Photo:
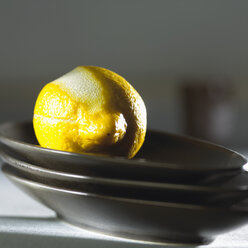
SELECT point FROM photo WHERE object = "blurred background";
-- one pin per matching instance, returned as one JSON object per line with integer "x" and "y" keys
{"x": 187, "y": 59}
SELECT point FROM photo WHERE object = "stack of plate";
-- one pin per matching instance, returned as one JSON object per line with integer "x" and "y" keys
{"x": 176, "y": 189}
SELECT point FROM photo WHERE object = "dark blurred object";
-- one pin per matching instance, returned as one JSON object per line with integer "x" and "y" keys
{"x": 208, "y": 109}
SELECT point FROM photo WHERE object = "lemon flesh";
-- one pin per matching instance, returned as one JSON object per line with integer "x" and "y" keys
{"x": 90, "y": 110}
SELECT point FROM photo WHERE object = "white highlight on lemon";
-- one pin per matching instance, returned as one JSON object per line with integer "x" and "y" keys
{"x": 121, "y": 123}
{"x": 80, "y": 84}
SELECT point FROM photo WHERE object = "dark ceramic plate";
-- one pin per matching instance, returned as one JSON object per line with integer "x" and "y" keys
{"x": 226, "y": 195}
{"x": 163, "y": 157}
{"x": 145, "y": 220}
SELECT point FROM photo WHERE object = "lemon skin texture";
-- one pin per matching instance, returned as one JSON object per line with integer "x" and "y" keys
{"x": 90, "y": 110}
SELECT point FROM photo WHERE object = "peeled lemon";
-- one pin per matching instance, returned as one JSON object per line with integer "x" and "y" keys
{"x": 90, "y": 110}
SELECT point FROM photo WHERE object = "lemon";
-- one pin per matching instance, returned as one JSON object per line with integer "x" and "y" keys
{"x": 90, "y": 110}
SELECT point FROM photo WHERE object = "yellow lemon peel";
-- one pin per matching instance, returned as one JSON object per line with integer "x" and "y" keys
{"x": 90, "y": 109}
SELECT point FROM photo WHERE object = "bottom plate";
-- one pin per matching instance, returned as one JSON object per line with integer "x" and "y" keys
{"x": 148, "y": 221}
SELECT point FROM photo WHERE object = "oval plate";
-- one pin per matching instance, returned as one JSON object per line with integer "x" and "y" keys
{"x": 162, "y": 157}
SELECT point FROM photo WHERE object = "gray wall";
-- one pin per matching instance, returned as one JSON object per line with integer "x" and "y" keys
{"x": 154, "y": 44}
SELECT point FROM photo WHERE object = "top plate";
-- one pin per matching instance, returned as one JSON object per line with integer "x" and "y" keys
{"x": 163, "y": 156}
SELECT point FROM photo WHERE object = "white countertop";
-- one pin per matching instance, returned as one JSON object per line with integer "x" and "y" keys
{"x": 26, "y": 223}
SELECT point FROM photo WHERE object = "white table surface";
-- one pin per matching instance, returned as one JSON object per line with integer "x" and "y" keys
{"x": 26, "y": 223}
